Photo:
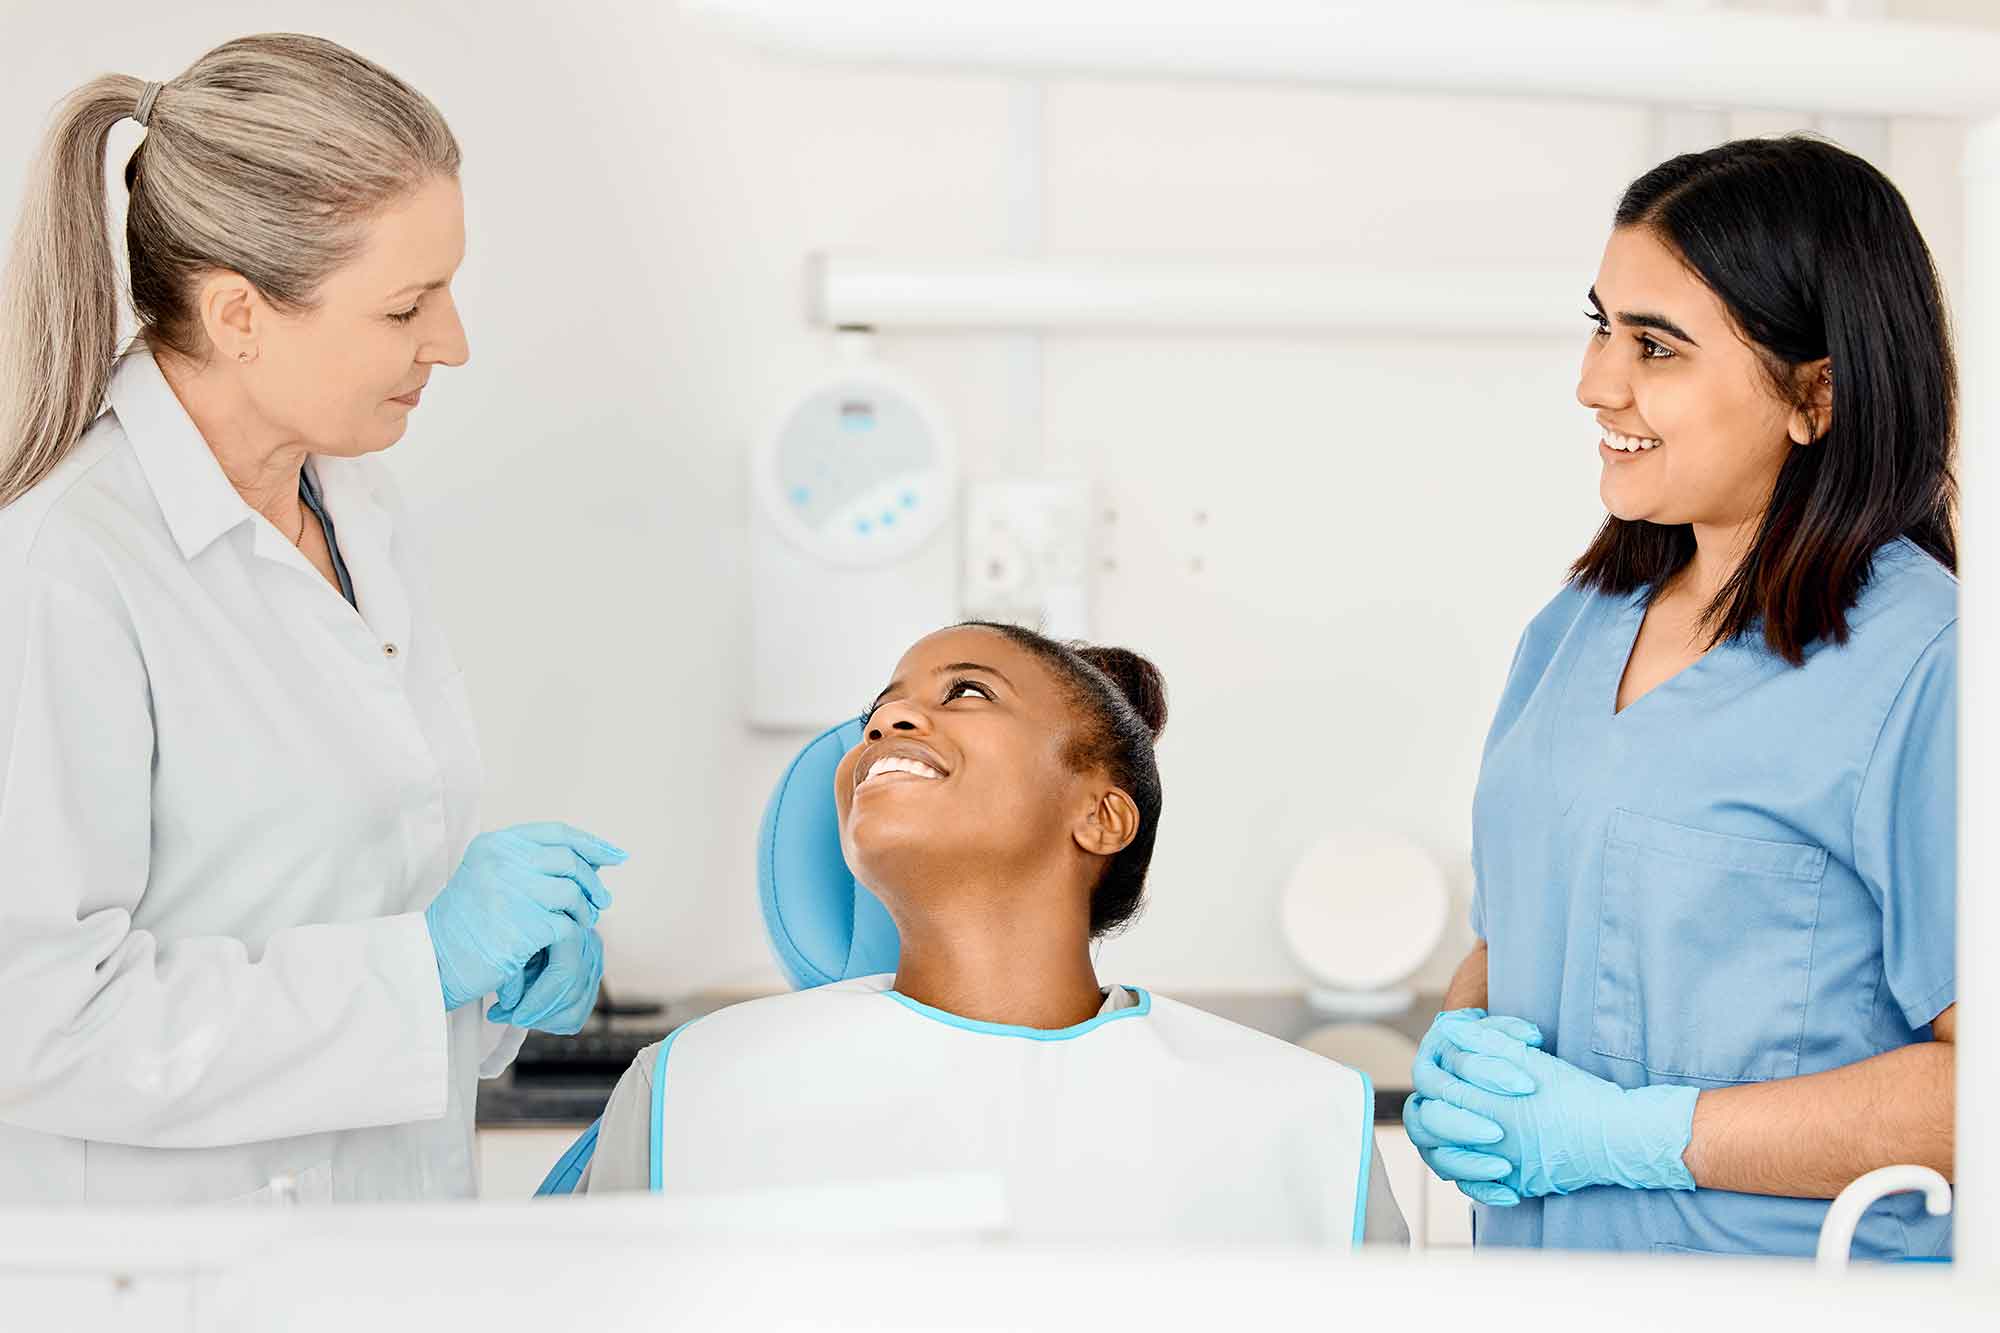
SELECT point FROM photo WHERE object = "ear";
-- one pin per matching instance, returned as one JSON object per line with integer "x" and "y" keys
{"x": 1807, "y": 424}
{"x": 1109, "y": 826}
{"x": 232, "y": 314}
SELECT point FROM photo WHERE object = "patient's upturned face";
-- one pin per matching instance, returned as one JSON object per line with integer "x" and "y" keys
{"x": 961, "y": 764}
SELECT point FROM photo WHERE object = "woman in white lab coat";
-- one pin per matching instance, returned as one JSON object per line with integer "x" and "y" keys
{"x": 245, "y": 927}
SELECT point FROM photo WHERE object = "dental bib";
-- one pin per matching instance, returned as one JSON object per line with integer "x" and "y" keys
{"x": 1158, "y": 1121}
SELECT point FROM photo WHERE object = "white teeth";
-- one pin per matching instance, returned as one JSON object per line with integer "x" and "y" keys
{"x": 1630, "y": 444}
{"x": 898, "y": 764}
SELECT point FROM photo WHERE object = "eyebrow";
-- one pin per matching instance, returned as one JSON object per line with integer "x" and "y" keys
{"x": 1646, "y": 320}
{"x": 418, "y": 287}
{"x": 895, "y": 685}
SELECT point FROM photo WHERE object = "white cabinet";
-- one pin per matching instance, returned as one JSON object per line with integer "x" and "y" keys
{"x": 513, "y": 1162}
{"x": 1437, "y": 1213}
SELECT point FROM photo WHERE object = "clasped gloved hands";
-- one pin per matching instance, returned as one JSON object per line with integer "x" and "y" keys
{"x": 517, "y": 892}
{"x": 1491, "y": 1094}
{"x": 1451, "y": 1140}
{"x": 558, "y": 988}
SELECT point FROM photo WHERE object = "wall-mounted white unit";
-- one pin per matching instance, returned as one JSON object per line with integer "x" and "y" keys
{"x": 1028, "y": 553}
{"x": 853, "y": 542}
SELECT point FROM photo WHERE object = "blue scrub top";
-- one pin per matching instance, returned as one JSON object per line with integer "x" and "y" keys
{"x": 1749, "y": 874}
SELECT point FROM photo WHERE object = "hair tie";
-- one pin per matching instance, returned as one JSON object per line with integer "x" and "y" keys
{"x": 144, "y": 110}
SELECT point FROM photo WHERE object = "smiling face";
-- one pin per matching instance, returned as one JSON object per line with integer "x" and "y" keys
{"x": 1693, "y": 431}
{"x": 961, "y": 777}
{"x": 344, "y": 375}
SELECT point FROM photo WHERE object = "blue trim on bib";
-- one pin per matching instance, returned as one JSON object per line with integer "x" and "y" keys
{"x": 1139, "y": 1010}
{"x": 1367, "y": 1154}
{"x": 562, "y": 1177}
{"x": 657, "y": 1145}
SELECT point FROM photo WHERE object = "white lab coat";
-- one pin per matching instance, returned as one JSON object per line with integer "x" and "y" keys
{"x": 225, "y": 799}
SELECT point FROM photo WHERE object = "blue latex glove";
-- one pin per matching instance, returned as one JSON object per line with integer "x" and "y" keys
{"x": 1575, "y": 1130}
{"x": 514, "y": 987}
{"x": 1440, "y": 1135}
{"x": 517, "y": 891}
{"x": 1448, "y": 1137}
{"x": 558, "y": 989}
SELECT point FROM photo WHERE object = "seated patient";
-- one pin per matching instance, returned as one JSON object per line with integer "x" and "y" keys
{"x": 1003, "y": 804}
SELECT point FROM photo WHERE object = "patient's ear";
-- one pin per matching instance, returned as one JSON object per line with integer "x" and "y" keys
{"x": 1109, "y": 826}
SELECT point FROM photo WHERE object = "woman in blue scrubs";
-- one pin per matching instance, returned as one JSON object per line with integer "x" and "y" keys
{"x": 1715, "y": 827}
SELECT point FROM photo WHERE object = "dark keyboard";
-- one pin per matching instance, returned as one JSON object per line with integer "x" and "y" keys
{"x": 588, "y": 1056}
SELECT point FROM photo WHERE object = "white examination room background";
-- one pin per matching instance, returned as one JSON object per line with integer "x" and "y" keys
{"x": 1329, "y": 544}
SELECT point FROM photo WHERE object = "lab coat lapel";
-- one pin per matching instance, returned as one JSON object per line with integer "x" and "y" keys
{"x": 197, "y": 501}
{"x": 366, "y": 532}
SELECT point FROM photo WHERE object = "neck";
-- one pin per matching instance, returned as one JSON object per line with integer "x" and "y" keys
{"x": 1718, "y": 550}
{"x": 260, "y": 461}
{"x": 1003, "y": 963}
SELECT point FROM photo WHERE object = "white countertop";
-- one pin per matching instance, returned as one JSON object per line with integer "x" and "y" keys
{"x": 598, "y": 1265}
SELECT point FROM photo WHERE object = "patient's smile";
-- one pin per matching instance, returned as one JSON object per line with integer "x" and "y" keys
{"x": 891, "y": 766}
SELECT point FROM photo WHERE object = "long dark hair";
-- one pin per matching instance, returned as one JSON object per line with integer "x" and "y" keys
{"x": 1123, "y": 702}
{"x": 1814, "y": 254}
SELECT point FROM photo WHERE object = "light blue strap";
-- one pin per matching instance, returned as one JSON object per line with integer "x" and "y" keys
{"x": 562, "y": 1177}
{"x": 1367, "y": 1155}
{"x": 658, "y": 1140}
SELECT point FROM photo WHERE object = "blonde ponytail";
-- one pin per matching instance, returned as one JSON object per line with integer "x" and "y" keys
{"x": 264, "y": 158}
{"x": 59, "y": 298}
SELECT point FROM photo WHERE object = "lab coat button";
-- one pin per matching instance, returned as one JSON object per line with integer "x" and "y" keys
{"x": 388, "y": 650}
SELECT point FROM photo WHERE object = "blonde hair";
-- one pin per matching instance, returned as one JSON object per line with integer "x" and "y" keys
{"x": 264, "y": 158}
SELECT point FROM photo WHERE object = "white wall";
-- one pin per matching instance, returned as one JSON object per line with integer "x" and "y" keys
{"x": 1382, "y": 515}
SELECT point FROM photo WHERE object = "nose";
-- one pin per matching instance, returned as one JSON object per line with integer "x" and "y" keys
{"x": 1604, "y": 384}
{"x": 446, "y": 345}
{"x": 900, "y": 717}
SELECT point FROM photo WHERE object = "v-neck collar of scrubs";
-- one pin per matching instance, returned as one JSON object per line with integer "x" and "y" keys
{"x": 1589, "y": 735}
{"x": 1611, "y": 657}
{"x": 1623, "y": 638}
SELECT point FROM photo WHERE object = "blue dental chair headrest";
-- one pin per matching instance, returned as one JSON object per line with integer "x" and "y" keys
{"x": 823, "y": 925}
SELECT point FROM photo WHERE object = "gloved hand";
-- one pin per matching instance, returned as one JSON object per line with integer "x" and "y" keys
{"x": 516, "y": 892}
{"x": 1446, "y": 1136}
{"x": 1440, "y": 1132}
{"x": 1575, "y": 1130}
{"x": 557, "y": 990}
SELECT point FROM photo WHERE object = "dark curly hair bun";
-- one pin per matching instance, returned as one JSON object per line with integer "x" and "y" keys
{"x": 1136, "y": 678}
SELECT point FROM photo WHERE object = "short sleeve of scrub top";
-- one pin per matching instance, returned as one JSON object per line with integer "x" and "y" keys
{"x": 1906, "y": 833}
{"x": 1749, "y": 873}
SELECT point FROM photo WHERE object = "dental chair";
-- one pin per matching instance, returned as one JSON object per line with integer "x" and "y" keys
{"x": 823, "y": 925}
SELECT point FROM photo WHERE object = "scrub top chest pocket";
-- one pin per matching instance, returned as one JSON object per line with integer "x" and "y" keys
{"x": 1705, "y": 946}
